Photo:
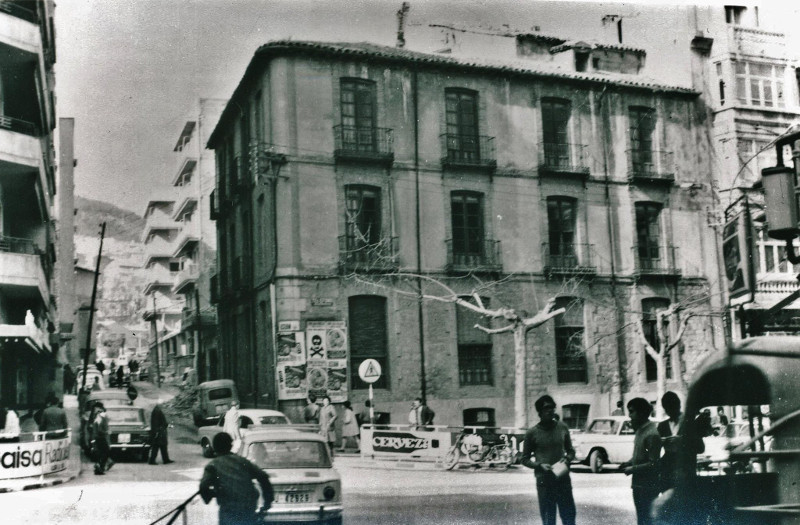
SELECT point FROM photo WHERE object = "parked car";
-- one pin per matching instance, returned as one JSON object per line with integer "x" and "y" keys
{"x": 718, "y": 447}
{"x": 250, "y": 419}
{"x": 307, "y": 487}
{"x": 213, "y": 399}
{"x": 605, "y": 440}
{"x": 93, "y": 373}
{"x": 128, "y": 430}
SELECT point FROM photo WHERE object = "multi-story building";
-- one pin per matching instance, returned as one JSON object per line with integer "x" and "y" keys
{"x": 351, "y": 174}
{"x": 180, "y": 253}
{"x": 28, "y": 316}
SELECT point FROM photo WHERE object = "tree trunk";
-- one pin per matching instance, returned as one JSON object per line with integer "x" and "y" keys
{"x": 520, "y": 377}
{"x": 661, "y": 365}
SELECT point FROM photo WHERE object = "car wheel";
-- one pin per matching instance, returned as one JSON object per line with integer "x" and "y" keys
{"x": 597, "y": 461}
{"x": 208, "y": 450}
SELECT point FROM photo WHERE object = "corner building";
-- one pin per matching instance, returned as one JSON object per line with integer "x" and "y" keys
{"x": 344, "y": 167}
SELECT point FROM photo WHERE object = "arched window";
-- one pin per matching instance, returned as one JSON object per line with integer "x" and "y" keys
{"x": 368, "y": 337}
{"x": 461, "y": 114}
{"x": 570, "y": 353}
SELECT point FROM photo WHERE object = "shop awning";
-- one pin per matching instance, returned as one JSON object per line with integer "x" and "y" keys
{"x": 24, "y": 334}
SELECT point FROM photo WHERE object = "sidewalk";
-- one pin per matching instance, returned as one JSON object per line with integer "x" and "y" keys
{"x": 73, "y": 469}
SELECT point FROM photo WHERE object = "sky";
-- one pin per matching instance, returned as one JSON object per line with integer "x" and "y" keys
{"x": 131, "y": 72}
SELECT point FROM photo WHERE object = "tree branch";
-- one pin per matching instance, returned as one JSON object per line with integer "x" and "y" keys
{"x": 679, "y": 336}
{"x": 640, "y": 332}
{"x": 507, "y": 328}
{"x": 543, "y": 315}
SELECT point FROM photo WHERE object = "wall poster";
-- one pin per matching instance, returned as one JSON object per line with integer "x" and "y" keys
{"x": 327, "y": 359}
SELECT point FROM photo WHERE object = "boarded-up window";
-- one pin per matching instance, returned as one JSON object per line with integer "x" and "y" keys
{"x": 368, "y": 337}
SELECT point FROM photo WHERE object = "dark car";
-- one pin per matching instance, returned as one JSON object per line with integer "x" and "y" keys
{"x": 128, "y": 430}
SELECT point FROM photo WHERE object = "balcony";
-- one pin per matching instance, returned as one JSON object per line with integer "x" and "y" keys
{"x": 486, "y": 258}
{"x": 363, "y": 144}
{"x": 751, "y": 41}
{"x": 651, "y": 166}
{"x": 563, "y": 160}
{"x": 157, "y": 248}
{"x": 568, "y": 259}
{"x": 29, "y": 334}
{"x": 19, "y": 143}
{"x": 19, "y": 27}
{"x": 24, "y": 268}
{"x": 190, "y": 320}
{"x": 159, "y": 278}
{"x": 17, "y": 9}
{"x": 657, "y": 261}
{"x": 468, "y": 151}
{"x": 355, "y": 255}
{"x": 187, "y": 240}
{"x": 186, "y": 279}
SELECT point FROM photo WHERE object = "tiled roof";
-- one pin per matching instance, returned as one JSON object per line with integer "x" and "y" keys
{"x": 595, "y": 45}
{"x": 402, "y": 56}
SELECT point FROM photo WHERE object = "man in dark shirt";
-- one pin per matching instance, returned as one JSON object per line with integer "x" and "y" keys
{"x": 53, "y": 418}
{"x": 643, "y": 466}
{"x": 158, "y": 436}
{"x": 549, "y": 443}
{"x": 101, "y": 445}
{"x": 229, "y": 479}
{"x": 311, "y": 410}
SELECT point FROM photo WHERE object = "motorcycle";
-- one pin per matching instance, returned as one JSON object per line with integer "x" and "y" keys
{"x": 480, "y": 450}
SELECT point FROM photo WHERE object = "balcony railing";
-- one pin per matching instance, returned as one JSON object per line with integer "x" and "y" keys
{"x": 657, "y": 261}
{"x": 485, "y": 257}
{"x": 563, "y": 159}
{"x": 18, "y": 245}
{"x": 568, "y": 259}
{"x": 651, "y": 165}
{"x": 18, "y": 126}
{"x": 468, "y": 151}
{"x": 17, "y": 10}
{"x": 363, "y": 144}
{"x": 360, "y": 256}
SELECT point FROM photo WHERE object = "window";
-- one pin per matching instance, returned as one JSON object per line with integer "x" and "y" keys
{"x": 175, "y": 266}
{"x": 581, "y": 61}
{"x": 649, "y": 308}
{"x": 358, "y": 115}
{"x": 479, "y": 417}
{"x": 721, "y": 80}
{"x": 575, "y": 416}
{"x": 755, "y": 155}
{"x": 734, "y": 14}
{"x": 474, "y": 347}
{"x": 555, "y": 131}
{"x": 643, "y": 125}
{"x": 362, "y": 217}
{"x": 461, "y": 108}
{"x": 368, "y": 337}
{"x": 759, "y": 84}
{"x": 648, "y": 234}
{"x": 570, "y": 354}
{"x": 561, "y": 228}
{"x": 466, "y": 209}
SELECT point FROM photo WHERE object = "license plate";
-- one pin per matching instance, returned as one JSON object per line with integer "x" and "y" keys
{"x": 124, "y": 438}
{"x": 298, "y": 497}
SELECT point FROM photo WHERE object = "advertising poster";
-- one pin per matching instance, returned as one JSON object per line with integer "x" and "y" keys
{"x": 292, "y": 368}
{"x": 326, "y": 342}
{"x": 20, "y": 460}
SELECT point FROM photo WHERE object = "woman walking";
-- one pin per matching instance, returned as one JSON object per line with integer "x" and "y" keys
{"x": 350, "y": 428}
{"x": 327, "y": 420}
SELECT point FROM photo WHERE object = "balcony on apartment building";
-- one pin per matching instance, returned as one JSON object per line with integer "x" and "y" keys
{"x": 367, "y": 144}
{"x": 468, "y": 151}
{"x": 186, "y": 191}
{"x": 158, "y": 247}
{"x": 563, "y": 160}
{"x": 19, "y": 26}
{"x": 656, "y": 261}
{"x": 191, "y": 319}
{"x": 568, "y": 259}
{"x": 186, "y": 279}
{"x": 360, "y": 255}
{"x": 19, "y": 142}
{"x": 756, "y": 42}
{"x": 24, "y": 268}
{"x": 188, "y": 238}
{"x": 28, "y": 333}
{"x": 654, "y": 166}
{"x": 159, "y": 277}
{"x": 480, "y": 257}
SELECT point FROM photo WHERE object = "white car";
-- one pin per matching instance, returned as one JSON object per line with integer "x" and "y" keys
{"x": 249, "y": 419}
{"x": 606, "y": 440}
{"x": 307, "y": 487}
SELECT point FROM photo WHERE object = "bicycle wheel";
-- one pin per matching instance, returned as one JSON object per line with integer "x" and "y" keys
{"x": 452, "y": 458}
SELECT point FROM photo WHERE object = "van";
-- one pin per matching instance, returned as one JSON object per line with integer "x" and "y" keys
{"x": 214, "y": 398}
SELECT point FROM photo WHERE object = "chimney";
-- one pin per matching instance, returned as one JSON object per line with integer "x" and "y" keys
{"x": 401, "y": 21}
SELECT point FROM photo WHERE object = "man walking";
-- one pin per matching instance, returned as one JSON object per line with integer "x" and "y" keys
{"x": 158, "y": 436}
{"x": 100, "y": 433}
{"x": 643, "y": 466}
{"x": 547, "y": 444}
{"x": 54, "y": 419}
{"x": 229, "y": 479}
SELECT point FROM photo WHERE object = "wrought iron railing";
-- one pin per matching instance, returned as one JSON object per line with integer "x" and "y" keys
{"x": 359, "y": 255}
{"x": 18, "y": 245}
{"x": 354, "y": 142}
{"x": 563, "y": 158}
{"x": 654, "y": 165}
{"x": 568, "y": 258}
{"x": 19, "y": 126}
{"x": 656, "y": 260}
{"x": 468, "y": 150}
{"x": 484, "y": 256}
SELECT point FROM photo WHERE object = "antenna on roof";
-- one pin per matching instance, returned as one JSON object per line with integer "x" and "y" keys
{"x": 401, "y": 22}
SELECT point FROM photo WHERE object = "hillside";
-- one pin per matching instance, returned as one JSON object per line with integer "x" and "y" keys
{"x": 121, "y": 224}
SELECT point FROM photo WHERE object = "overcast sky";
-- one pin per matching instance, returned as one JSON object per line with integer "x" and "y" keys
{"x": 130, "y": 72}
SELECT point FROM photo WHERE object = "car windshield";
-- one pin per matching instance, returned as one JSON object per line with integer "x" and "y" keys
{"x": 603, "y": 426}
{"x": 125, "y": 417}
{"x": 289, "y": 454}
{"x": 219, "y": 393}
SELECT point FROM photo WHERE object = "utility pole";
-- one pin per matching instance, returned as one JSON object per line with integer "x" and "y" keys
{"x": 91, "y": 307}
{"x": 154, "y": 326}
{"x": 199, "y": 332}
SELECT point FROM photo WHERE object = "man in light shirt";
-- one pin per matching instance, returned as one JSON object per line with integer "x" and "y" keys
{"x": 11, "y": 430}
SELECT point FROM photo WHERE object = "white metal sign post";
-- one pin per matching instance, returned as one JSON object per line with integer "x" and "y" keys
{"x": 370, "y": 371}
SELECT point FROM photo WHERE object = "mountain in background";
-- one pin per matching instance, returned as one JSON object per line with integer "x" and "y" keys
{"x": 121, "y": 224}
